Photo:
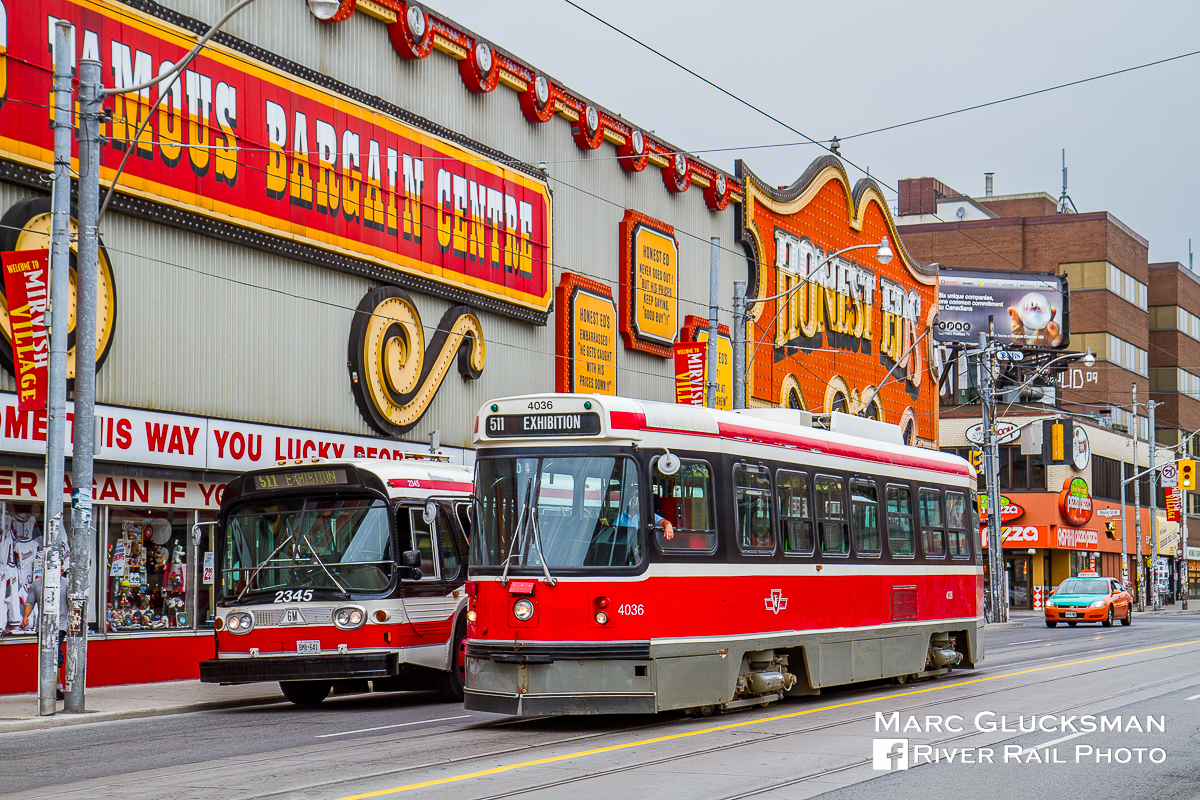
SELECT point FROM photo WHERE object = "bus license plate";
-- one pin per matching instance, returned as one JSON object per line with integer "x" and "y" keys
{"x": 308, "y": 646}
{"x": 1071, "y": 614}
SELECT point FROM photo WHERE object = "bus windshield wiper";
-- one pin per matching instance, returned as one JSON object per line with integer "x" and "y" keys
{"x": 313, "y": 550}
{"x": 516, "y": 534}
{"x": 259, "y": 568}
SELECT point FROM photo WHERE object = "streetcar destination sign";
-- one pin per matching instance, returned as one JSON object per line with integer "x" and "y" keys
{"x": 511, "y": 425}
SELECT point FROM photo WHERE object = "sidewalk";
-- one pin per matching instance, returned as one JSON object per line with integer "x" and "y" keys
{"x": 18, "y": 712}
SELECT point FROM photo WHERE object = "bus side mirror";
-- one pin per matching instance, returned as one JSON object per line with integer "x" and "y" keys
{"x": 412, "y": 560}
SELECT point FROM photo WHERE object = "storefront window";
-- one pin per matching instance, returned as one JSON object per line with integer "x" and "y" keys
{"x": 21, "y": 538}
{"x": 203, "y": 572}
{"x": 147, "y": 577}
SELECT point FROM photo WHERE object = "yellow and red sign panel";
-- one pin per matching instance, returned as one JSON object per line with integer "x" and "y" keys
{"x": 291, "y": 154}
{"x": 586, "y": 346}
{"x": 850, "y": 333}
{"x": 649, "y": 284}
{"x": 691, "y": 370}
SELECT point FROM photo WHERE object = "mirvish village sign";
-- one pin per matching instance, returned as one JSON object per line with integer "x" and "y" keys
{"x": 852, "y": 335}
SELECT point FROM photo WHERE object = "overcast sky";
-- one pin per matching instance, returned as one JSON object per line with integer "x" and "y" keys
{"x": 832, "y": 68}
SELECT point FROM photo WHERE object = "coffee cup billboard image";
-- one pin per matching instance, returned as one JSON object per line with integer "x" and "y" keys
{"x": 1033, "y": 320}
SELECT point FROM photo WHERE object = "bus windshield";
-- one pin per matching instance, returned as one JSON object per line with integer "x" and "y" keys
{"x": 574, "y": 511}
{"x": 343, "y": 545}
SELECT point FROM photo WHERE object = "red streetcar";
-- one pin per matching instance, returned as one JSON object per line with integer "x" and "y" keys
{"x": 633, "y": 557}
{"x": 330, "y": 574}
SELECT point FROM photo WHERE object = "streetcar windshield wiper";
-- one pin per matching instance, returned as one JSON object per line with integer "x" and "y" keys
{"x": 537, "y": 544}
{"x": 259, "y": 568}
{"x": 517, "y": 534}
{"x": 313, "y": 550}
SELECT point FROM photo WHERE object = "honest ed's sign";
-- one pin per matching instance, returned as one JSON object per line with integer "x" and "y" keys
{"x": 1026, "y": 308}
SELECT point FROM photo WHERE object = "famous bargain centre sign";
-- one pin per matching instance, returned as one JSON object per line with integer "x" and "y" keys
{"x": 853, "y": 320}
{"x": 288, "y": 153}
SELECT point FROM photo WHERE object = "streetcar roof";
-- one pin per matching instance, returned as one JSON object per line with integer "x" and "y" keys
{"x": 411, "y": 477}
{"x": 527, "y": 418}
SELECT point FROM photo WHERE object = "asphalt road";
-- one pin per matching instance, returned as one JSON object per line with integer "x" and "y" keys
{"x": 412, "y": 745}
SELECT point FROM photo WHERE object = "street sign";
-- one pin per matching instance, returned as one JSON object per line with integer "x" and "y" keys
{"x": 1170, "y": 476}
{"x": 1005, "y": 432}
{"x": 1109, "y": 513}
{"x": 1010, "y": 355}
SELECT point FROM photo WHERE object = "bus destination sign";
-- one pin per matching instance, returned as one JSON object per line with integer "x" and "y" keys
{"x": 300, "y": 480}
{"x": 513, "y": 425}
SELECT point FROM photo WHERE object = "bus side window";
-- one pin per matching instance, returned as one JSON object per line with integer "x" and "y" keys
{"x": 933, "y": 538}
{"x": 752, "y": 490}
{"x": 685, "y": 501}
{"x": 831, "y": 514}
{"x": 956, "y": 523}
{"x": 899, "y": 520}
{"x": 795, "y": 514}
{"x": 464, "y": 512}
{"x": 422, "y": 542}
{"x": 864, "y": 496}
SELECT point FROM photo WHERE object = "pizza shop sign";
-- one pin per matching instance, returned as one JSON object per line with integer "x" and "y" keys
{"x": 1075, "y": 501}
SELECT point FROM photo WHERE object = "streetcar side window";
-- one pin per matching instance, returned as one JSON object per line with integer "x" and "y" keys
{"x": 899, "y": 520}
{"x": 795, "y": 513}
{"x": 956, "y": 525}
{"x": 752, "y": 490}
{"x": 683, "y": 509}
{"x": 831, "y": 514}
{"x": 422, "y": 542}
{"x": 864, "y": 498}
{"x": 933, "y": 537}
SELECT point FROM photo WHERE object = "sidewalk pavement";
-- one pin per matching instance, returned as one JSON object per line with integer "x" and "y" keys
{"x": 1017, "y": 617}
{"x": 18, "y": 712}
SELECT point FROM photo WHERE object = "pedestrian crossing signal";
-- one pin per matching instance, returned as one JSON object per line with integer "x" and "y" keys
{"x": 1187, "y": 474}
{"x": 1110, "y": 529}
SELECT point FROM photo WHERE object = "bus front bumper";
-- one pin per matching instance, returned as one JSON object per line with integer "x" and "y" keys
{"x": 299, "y": 668}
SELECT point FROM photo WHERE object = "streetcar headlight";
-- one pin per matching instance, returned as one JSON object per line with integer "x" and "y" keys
{"x": 239, "y": 622}
{"x": 601, "y": 618}
{"x": 471, "y": 616}
{"x": 1099, "y": 604}
{"x": 523, "y": 609}
{"x": 349, "y": 618}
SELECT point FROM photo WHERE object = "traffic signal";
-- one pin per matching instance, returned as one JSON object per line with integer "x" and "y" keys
{"x": 976, "y": 459}
{"x": 1110, "y": 529}
{"x": 1187, "y": 474}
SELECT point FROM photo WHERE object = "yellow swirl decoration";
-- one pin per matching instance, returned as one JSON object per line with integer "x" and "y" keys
{"x": 393, "y": 375}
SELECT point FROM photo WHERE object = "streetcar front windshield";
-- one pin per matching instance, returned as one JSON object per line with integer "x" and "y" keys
{"x": 343, "y": 545}
{"x": 570, "y": 512}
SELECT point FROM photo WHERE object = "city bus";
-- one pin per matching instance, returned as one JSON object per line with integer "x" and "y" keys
{"x": 633, "y": 557}
{"x": 343, "y": 576}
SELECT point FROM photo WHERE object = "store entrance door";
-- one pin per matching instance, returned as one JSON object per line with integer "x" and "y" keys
{"x": 1019, "y": 569}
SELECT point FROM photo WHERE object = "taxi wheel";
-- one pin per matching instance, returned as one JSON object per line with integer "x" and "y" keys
{"x": 1108, "y": 621}
{"x": 1127, "y": 620}
{"x": 1051, "y": 623}
{"x": 1072, "y": 624}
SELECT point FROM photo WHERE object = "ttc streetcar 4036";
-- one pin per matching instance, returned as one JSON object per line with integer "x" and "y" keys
{"x": 634, "y": 557}
{"x": 330, "y": 574}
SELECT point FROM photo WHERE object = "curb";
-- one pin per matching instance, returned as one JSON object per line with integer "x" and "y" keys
{"x": 63, "y": 719}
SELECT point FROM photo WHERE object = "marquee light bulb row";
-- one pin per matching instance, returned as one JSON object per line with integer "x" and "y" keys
{"x": 414, "y": 34}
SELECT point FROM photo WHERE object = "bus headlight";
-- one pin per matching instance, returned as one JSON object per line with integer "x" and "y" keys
{"x": 239, "y": 622}
{"x": 349, "y": 618}
{"x": 523, "y": 609}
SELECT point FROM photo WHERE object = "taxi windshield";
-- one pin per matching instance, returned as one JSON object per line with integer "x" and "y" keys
{"x": 1084, "y": 586}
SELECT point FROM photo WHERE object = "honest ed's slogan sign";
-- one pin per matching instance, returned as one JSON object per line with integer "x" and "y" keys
{"x": 649, "y": 278}
{"x": 586, "y": 339}
{"x": 26, "y": 285}
{"x": 289, "y": 154}
{"x": 1026, "y": 309}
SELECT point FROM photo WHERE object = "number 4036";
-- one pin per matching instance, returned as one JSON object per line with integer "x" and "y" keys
{"x": 631, "y": 609}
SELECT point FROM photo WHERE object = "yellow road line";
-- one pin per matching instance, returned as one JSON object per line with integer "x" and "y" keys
{"x": 744, "y": 723}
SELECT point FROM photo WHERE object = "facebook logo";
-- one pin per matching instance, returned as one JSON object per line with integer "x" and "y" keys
{"x": 890, "y": 754}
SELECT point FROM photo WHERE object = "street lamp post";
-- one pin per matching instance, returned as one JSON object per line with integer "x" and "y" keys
{"x": 742, "y": 307}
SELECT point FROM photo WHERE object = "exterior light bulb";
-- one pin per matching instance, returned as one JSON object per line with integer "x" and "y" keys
{"x": 324, "y": 9}
{"x": 1089, "y": 358}
{"x": 884, "y": 254}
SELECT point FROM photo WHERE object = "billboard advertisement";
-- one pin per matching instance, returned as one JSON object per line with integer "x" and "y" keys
{"x": 1026, "y": 308}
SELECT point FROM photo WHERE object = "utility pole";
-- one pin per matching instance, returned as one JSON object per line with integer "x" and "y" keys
{"x": 1183, "y": 574}
{"x": 739, "y": 344}
{"x": 56, "y": 425}
{"x": 1153, "y": 515}
{"x": 713, "y": 302}
{"x": 991, "y": 456}
{"x": 1124, "y": 529}
{"x": 1137, "y": 508}
{"x": 87, "y": 266}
